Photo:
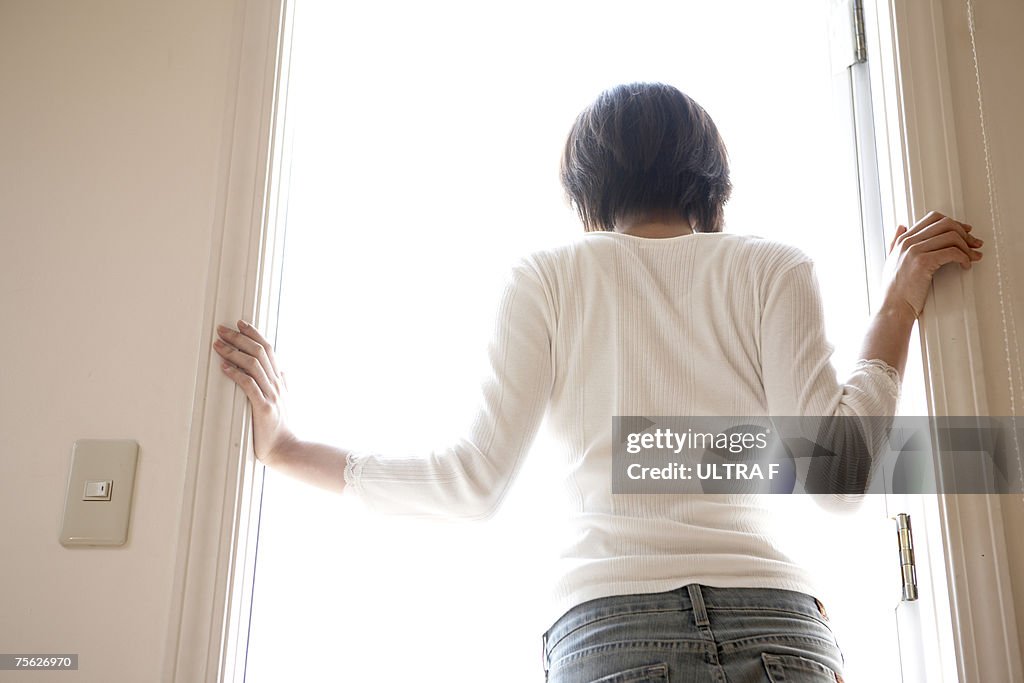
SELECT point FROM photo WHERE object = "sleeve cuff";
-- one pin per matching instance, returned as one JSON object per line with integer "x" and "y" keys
{"x": 879, "y": 368}
{"x": 353, "y": 469}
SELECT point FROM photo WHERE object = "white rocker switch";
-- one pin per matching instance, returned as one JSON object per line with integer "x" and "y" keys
{"x": 97, "y": 490}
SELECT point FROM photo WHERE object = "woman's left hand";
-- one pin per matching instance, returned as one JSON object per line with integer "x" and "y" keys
{"x": 249, "y": 361}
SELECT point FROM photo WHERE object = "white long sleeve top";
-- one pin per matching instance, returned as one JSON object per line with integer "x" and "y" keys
{"x": 612, "y": 324}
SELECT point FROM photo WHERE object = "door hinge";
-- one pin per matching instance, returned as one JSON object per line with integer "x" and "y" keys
{"x": 847, "y": 34}
{"x": 860, "y": 41}
{"x": 908, "y": 565}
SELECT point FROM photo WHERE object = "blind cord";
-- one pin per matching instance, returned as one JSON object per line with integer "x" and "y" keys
{"x": 997, "y": 234}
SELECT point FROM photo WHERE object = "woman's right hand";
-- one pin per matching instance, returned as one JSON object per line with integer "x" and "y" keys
{"x": 249, "y": 361}
{"x": 916, "y": 253}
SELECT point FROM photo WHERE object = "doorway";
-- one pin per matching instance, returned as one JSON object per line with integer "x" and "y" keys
{"x": 424, "y": 161}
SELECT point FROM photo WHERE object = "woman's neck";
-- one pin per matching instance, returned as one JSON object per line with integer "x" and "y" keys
{"x": 653, "y": 226}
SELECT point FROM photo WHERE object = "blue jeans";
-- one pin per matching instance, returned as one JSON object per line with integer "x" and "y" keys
{"x": 695, "y": 634}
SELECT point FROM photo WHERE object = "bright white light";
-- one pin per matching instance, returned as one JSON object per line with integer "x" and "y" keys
{"x": 427, "y": 138}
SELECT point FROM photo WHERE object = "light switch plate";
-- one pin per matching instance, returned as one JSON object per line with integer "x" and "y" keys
{"x": 99, "y": 522}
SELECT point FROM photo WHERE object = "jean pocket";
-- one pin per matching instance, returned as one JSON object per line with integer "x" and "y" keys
{"x": 649, "y": 673}
{"x": 796, "y": 669}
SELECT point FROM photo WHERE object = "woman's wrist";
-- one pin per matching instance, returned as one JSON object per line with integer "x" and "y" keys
{"x": 888, "y": 334}
{"x": 898, "y": 309}
{"x": 286, "y": 448}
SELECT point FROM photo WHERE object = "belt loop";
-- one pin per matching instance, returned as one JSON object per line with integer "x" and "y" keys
{"x": 700, "y": 613}
{"x": 544, "y": 654}
{"x": 821, "y": 608}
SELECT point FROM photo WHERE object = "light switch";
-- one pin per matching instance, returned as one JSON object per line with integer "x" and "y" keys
{"x": 97, "y": 490}
{"x": 98, "y": 498}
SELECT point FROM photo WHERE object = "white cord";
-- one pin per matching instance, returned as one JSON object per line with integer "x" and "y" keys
{"x": 997, "y": 236}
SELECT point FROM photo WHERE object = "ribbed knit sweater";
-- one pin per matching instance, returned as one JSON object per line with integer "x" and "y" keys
{"x": 613, "y": 324}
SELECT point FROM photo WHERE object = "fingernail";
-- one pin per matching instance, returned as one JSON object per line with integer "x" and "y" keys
{"x": 242, "y": 323}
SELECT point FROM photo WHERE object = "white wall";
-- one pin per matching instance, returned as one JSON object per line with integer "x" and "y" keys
{"x": 1001, "y": 59}
{"x": 111, "y": 117}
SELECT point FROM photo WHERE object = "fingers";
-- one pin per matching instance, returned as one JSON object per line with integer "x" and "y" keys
{"x": 933, "y": 224}
{"x": 941, "y": 249}
{"x": 948, "y": 255}
{"x": 254, "y": 334}
{"x": 248, "y": 364}
{"x": 247, "y": 383}
{"x": 927, "y": 220}
{"x": 922, "y": 231}
{"x": 899, "y": 232}
{"x": 942, "y": 241}
{"x": 246, "y": 344}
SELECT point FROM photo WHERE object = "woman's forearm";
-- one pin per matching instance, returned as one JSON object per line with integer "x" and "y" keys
{"x": 888, "y": 335}
{"x": 313, "y": 463}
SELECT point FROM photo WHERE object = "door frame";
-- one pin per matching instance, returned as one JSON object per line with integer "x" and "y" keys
{"x": 914, "y": 122}
{"x": 210, "y": 595}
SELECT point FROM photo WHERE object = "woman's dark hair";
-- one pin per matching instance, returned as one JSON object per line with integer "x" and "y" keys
{"x": 644, "y": 148}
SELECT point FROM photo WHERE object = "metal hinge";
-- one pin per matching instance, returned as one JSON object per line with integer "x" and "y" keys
{"x": 860, "y": 41}
{"x": 847, "y": 34}
{"x": 908, "y": 565}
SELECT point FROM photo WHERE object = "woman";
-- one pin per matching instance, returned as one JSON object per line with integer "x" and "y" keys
{"x": 653, "y": 310}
